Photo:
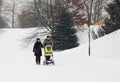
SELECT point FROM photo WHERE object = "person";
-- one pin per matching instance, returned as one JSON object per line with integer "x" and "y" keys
{"x": 37, "y": 50}
{"x": 48, "y": 41}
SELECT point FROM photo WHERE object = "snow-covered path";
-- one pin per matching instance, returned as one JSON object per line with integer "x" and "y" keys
{"x": 17, "y": 63}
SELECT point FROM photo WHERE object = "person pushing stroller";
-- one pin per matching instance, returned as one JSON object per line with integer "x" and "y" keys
{"x": 48, "y": 45}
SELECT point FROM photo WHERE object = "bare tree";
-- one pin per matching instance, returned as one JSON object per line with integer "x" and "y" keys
{"x": 47, "y": 12}
{"x": 89, "y": 10}
{"x": 2, "y": 22}
{"x": 23, "y": 19}
{"x": 1, "y": 3}
{"x": 13, "y": 13}
{"x": 44, "y": 12}
{"x": 95, "y": 7}
{"x": 10, "y": 8}
{"x": 94, "y": 12}
{"x": 98, "y": 10}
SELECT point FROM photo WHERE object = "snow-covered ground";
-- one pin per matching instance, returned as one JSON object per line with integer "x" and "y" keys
{"x": 74, "y": 65}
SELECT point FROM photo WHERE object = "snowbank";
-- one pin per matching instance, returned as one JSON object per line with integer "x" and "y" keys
{"x": 74, "y": 65}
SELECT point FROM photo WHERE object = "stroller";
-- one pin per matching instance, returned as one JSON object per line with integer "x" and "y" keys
{"x": 48, "y": 55}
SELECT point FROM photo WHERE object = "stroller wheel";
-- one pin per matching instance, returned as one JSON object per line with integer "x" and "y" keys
{"x": 53, "y": 62}
{"x": 44, "y": 62}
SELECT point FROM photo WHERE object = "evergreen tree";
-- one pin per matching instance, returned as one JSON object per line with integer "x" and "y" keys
{"x": 113, "y": 22}
{"x": 64, "y": 34}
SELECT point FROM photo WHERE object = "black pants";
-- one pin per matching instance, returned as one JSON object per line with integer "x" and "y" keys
{"x": 38, "y": 59}
{"x": 47, "y": 58}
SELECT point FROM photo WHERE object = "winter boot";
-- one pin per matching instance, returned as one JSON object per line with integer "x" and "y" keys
{"x": 38, "y": 63}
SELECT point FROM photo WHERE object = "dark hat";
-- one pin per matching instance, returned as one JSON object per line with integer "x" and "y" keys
{"x": 38, "y": 39}
{"x": 48, "y": 36}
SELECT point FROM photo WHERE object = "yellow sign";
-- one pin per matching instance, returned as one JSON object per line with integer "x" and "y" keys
{"x": 100, "y": 22}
